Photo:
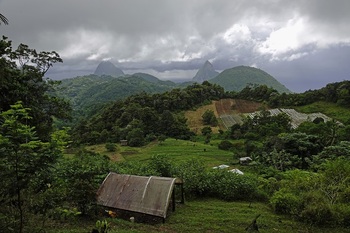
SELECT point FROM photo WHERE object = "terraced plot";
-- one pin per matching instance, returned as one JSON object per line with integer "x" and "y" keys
{"x": 296, "y": 117}
{"x": 232, "y": 111}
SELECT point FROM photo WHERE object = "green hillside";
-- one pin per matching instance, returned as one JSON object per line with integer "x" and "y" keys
{"x": 85, "y": 92}
{"x": 237, "y": 78}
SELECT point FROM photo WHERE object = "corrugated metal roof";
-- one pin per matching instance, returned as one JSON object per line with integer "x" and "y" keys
{"x": 149, "y": 195}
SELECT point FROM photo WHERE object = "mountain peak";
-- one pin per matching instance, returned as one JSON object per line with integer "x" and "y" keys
{"x": 207, "y": 63}
{"x": 206, "y": 72}
{"x": 237, "y": 78}
{"x": 108, "y": 68}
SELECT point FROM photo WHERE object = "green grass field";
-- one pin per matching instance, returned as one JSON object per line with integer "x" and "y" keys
{"x": 208, "y": 215}
{"x": 200, "y": 215}
{"x": 330, "y": 109}
{"x": 175, "y": 150}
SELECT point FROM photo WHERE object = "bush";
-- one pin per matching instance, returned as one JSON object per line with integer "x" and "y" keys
{"x": 343, "y": 214}
{"x": 209, "y": 118}
{"x": 285, "y": 202}
{"x": 195, "y": 178}
{"x": 78, "y": 179}
{"x": 111, "y": 147}
{"x": 231, "y": 186}
{"x": 225, "y": 145}
{"x": 318, "y": 213}
{"x": 162, "y": 165}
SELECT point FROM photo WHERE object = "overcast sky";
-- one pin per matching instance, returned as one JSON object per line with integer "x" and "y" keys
{"x": 304, "y": 44}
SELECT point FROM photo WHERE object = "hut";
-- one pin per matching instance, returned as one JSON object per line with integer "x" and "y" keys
{"x": 123, "y": 142}
{"x": 139, "y": 196}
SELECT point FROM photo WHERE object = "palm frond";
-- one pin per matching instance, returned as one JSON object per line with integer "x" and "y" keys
{"x": 3, "y": 19}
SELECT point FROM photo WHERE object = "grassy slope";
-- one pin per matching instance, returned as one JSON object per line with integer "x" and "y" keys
{"x": 210, "y": 215}
{"x": 176, "y": 150}
{"x": 194, "y": 118}
{"x": 202, "y": 215}
{"x": 341, "y": 114}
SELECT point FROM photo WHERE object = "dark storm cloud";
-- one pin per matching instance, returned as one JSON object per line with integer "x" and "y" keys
{"x": 289, "y": 39}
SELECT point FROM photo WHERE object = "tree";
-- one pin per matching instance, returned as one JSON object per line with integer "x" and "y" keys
{"x": 80, "y": 177}
{"x": 206, "y": 131}
{"x": 331, "y": 153}
{"x": 25, "y": 163}
{"x": 209, "y": 118}
{"x": 302, "y": 145}
{"x": 22, "y": 74}
{"x": 326, "y": 131}
{"x": 111, "y": 147}
{"x": 135, "y": 137}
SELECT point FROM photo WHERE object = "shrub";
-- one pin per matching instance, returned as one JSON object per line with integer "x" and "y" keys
{"x": 318, "y": 213}
{"x": 195, "y": 177}
{"x": 285, "y": 202}
{"x": 225, "y": 145}
{"x": 268, "y": 186}
{"x": 111, "y": 147}
{"x": 209, "y": 118}
{"x": 162, "y": 165}
{"x": 136, "y": 168}
{"x": 78, "y": 179}
{"x": 343, "y": 214}
{"x": 231, "y": 186}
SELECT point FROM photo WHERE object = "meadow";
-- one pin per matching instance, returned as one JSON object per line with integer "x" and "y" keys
{"x": 199, "y": 214}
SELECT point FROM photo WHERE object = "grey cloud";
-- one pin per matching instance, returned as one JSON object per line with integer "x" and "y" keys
{"x": 170, "y": 36}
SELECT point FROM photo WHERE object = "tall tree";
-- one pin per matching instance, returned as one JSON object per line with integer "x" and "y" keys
{"x": 22, "y": 74}
{"x": 25, "y": 163}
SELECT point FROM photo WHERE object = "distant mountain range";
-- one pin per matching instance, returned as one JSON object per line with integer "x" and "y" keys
{"x": 109, "y": 83}
{"x": 233, "y": 79}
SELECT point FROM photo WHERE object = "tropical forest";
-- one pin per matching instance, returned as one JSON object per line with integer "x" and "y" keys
{"x": 252, "y": 159}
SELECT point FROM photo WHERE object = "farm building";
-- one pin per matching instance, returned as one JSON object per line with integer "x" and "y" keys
{"x": 123, "y": 142}
{"x": 148, "y": 196}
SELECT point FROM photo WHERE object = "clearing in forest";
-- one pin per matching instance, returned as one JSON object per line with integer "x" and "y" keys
{"x": 232, "y": 111}
{"x": 227, "y": 110}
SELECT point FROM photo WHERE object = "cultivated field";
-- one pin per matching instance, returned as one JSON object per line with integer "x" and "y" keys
{"x": 232, "y": 111}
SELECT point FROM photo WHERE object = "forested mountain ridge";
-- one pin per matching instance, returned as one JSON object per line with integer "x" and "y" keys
{"x": 146, "y": 112}
{"x": 87, "y": 92}
{"x": 92, "y": 90}
{"x": 237, "y": 78}
{"x": 141, "y": 117}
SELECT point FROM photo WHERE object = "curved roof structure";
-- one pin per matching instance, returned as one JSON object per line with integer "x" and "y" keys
{"x": 148, "y": 195}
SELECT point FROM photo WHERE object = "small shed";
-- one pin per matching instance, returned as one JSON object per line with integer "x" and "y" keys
{"x": 139, "y": 194}
{"x": 123, "y": 142}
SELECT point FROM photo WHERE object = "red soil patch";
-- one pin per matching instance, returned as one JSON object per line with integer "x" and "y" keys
{"x": 235, "y": 106}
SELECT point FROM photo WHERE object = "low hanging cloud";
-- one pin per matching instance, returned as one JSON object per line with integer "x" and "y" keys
{"x": 172, "y": 39}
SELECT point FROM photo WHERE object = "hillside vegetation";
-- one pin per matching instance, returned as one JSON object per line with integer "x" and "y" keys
{"x": 88, "y": 93}
{"x": 237, "y": 78}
